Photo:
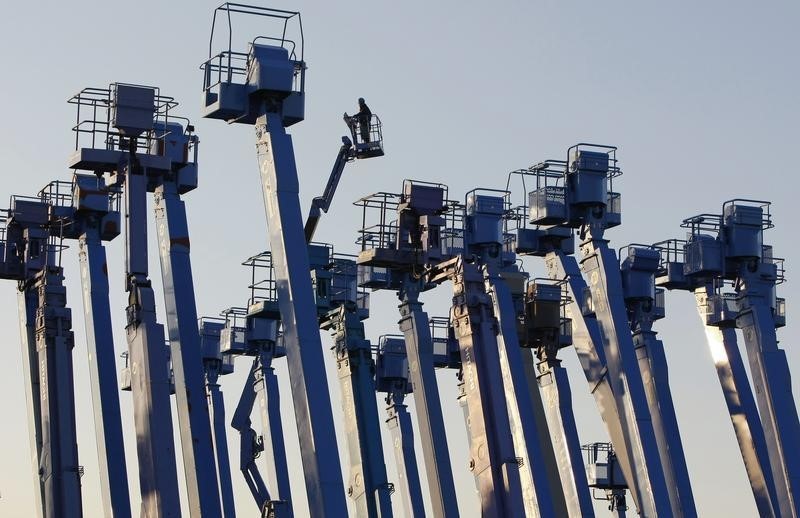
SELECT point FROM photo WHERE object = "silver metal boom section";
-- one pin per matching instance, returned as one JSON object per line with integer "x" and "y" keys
{"x": 590, "y": 350}
{"x": 741, "y": 404}
{"x": 54, "y": 342}
{"x": 493, "y": 459}
{"x": 419, "y": 348}
{"x": 392, "y": 377}
{"x": 641, "y": 298}
{"x": 193, "y": 416}
{"x": 150, "y": 379}
{"x": 600, "y": 266}
{"x": 298, "y": 314}
{"x": 103, "y": 376}
{"x": 546, "y": 331}
{"x": 26, "y": 304}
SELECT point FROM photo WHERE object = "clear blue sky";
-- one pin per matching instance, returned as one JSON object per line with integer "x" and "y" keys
{"x": 700, "y": 97}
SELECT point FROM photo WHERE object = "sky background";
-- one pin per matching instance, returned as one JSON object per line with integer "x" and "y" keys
{"x": 700, "y": 97}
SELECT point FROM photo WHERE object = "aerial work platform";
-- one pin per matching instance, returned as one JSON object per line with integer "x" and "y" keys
{"x": 531, "y": 274}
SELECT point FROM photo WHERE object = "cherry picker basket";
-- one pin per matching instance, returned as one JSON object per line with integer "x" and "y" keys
{"x": 368, "y": 141}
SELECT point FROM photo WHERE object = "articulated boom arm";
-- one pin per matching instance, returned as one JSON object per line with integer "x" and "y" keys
{"x": 260, "y": 382}
{"x": 323, "y": 203}
{"x": 251, "y": 447}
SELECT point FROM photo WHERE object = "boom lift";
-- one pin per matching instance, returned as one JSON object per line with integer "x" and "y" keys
{"x": 393, "y": 254}
{"x": 605, "y": 474}
{"x": 31, "y": 256}
{"x": 342, "y": 308}
{"x": 484, "y": 241}
{"x": 645, "y": 305}
{"x": 181, "y": 311}
{"x": 392, "y": 378}
{"x": 265, "y": 87}
{"x": 347, "y": 153}
{"x": 718, "y": 314}
{"x": 130, "y": 136}
{"x": 726, "y": 249}
{"x": 556, "y": 244}
{"x": 87, "y": 211}
{"x": 576, "y": 195}
{"x": 547, "y": 329}
{"x": 216, "y": 364}
{"x": 254, "y": 331}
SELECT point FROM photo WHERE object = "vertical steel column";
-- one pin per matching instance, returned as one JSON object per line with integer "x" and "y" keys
{"x": 306, "y": 364}
{"x": 419, "y": 349}
{"x": 368, "y": 485}
{"x": 398, "y": 422}
{"x": 184, "y": 338}
{"x": 590, "y": 348}
{"x": 27, "y": 301}
{"x": 150, "y": 380}
{"x": 103, "y": 375}
{"x": 541, "y": 488}
{"x": 600, "y": 265}
{"x": 216, "y": 408}
{"x": 54, "y": 342}
{"x": 770, "y": 372}
{"x": 741, "y": 407}
{"x": 552, "y": 379}
{"x": 493, "y": 459}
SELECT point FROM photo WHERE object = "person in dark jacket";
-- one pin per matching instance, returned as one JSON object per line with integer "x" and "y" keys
{"x": 364, "y": 117}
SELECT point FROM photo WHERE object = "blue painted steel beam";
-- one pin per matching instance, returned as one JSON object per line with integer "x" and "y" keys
{"x": 308, "y": 379}
{"x": 103, "y": 376}
{"x": 741, "y": 406}
{"x": 272, "y": 431}
{"x": 433, "y": 437}
{"x": 199, "y": 462}
{"x": 150, "y": 380}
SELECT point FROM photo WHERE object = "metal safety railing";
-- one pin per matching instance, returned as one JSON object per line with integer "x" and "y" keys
{"x": 229, "y": 66}
{"x": 263, "y": 284}
{"x": 766, "y": 218}
{"x": 372, "y": 133}
{"x": 378, "y": 220}
{"x": 344, "y": 282}
{"x": 451, "y": 235}
{"x": 670, "y": 251}
{"x": 93, "y": 119}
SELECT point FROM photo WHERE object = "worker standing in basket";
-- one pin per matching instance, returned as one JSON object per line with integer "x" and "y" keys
{"x": 364, "y": 117}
